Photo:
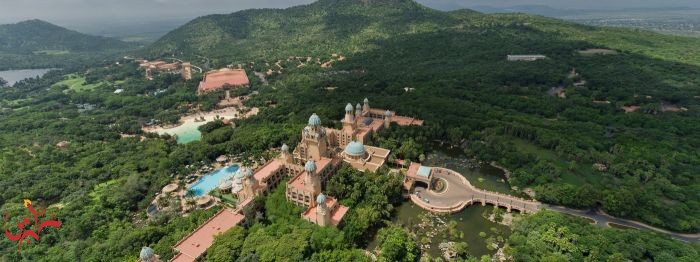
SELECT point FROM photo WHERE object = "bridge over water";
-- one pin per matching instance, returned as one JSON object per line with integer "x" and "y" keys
{"x": 460, "y": 193}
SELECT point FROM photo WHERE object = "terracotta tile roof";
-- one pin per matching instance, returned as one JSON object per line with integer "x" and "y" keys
{"x": 267, "y": 170}
{"x": 339, "y": 214}
{"x": 196, "y": 243}
{"x": 406, "y": 121}
{"x": 218, "y": 79}
{"x": 338, "y": 211}
{"x": 297, "y": 181}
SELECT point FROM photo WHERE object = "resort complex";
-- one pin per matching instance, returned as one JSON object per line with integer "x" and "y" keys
{"x": 159, "y": 66}
{"x": 307, "y": 169}
{"x": 319, "y": 154}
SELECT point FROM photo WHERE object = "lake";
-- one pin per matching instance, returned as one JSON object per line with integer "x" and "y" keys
{"x": 470, "y": 223}
{"x": 14, "y": 76}
{"x": 483, "y": 176}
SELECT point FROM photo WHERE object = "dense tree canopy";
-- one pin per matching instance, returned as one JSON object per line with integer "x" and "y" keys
{"x": 579, "y": 149}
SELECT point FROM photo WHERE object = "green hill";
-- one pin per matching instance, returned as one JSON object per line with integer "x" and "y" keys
{"x": 39, "y": 44}
{"x": 355, "y": 25}
{"x": 36, "y": 36}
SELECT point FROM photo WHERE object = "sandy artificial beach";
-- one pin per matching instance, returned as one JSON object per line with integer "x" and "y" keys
{"x": 190, "y": 122}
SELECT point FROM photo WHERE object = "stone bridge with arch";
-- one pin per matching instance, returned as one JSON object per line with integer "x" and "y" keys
{"x": 460, "y": 193}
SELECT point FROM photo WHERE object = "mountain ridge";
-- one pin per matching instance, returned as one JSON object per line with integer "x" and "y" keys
{"x": 35, "y": 35}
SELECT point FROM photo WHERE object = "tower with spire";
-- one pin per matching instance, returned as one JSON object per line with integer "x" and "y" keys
{"x": 349, "y": 119}
{"x": 365, "y": 107}
{"x": 387, "y": 119}
{"x": 323, "y": 213}
{"x": 250, "y": 185}
{"x": 286, "y": 156}
{"x": 312, "y": 180}
{"x": 314, "y": 143}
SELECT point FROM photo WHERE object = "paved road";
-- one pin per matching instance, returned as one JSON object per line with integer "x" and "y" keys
{"x": 603, "y": 220}
{"x": 460, "y": 192}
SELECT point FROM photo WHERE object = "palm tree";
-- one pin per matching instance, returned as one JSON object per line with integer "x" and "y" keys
{"x": 190, "y": 194}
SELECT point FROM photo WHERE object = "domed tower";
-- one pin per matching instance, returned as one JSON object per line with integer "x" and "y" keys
{"x": 387, "y": 119}
{"x": 366, "y": 108}
{"x": 148, "y": 255}
{"x": 349, "y": 120}
{"x": 348, "y": 114}
{"x": 323, "y": 213}
{"x": 358, "y": 112}
{"x": 250, "y": 184}
{"x": 314, "y": 140}
{"x": 285, "y": 156}
{"x": 312, "y": 180}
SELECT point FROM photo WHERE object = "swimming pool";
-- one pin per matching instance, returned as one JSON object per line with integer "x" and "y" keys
{"x": 210, "y": 181}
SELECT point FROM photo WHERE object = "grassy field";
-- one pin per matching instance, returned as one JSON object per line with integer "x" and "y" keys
{"x": 100, "y": 189}
{"x": 77, "y": 83}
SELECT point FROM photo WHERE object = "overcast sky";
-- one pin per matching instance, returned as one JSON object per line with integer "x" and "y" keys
{"x": 71, "y": 11}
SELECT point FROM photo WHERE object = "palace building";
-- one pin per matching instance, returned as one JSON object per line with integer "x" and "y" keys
{"x": 318, "y": 156}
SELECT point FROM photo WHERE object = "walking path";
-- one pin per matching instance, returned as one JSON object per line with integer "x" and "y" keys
{"x": 460, "y": 194}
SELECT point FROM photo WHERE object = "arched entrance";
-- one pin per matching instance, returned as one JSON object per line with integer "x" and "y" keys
{"x": 419, "y": 186}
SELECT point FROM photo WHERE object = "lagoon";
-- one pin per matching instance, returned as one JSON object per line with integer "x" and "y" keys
{"x": 14, "y": 76}
{"x": 187, "y": 132}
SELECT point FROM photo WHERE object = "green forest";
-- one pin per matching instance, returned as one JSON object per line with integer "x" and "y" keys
{"x": 580, "y": 149}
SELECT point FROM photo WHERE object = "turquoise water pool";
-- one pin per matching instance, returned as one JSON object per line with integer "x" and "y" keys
{"x": 189, "y": 133}
{"x": 210, "y": 181}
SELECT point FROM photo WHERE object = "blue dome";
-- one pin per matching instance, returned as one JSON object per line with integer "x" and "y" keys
{"x": 285, "y": 148}
{"x": 387, "y": 113}
{"x": 314, "y": 120}
{"x": 355, "y": 149}
{"x": 147, "y": 254}
{"x": 348, "y": 108}
{"x": 321, "y": 199}
{"x": 366, "y": 100}
{"x": 358, "y": 106}
{"x": 310, "y": 166}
